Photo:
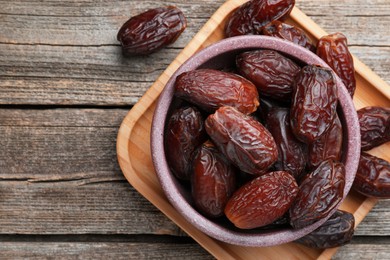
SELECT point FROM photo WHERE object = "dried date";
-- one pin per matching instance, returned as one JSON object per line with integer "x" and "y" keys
{"x": 262, "y": 201}
{"x": 372, "y": 177}
{"x": 242, "y": 139}
{"x": 314, "y": 103}
{"x": 319, "y": 193}
{"x": 252, "y": 16}
{"x": 213, "y": 180}
{"x": 338, "y": 230}
{"x": 211, "y": 89}
{"x": 333, "y": 49}
{"x": 374, "y": 126}
{"x": 152, "y": 30}
{"x": 184, "y": 133}
{"x": 272, "y": 73}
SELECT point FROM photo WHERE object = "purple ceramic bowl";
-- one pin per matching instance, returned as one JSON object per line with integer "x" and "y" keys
{"x": 221, "y": 55}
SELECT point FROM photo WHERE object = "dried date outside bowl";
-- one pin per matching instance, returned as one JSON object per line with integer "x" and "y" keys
{"x": 221, "y": 55}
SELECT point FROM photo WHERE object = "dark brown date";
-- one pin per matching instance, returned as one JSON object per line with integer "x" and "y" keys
{"x": 272, "y": 73}
{"x": 213, "y": 180}
{"x": 252, "y": 16}
{"x": 319, "y": 193}
{"x": 338, "y": 230}
{"x": 242, "y": 139}
{"x": 290, "y": 33}
{"x": 372, "y": 177}
{"x": 211, "y": 89}
{"x": 314, "y": 103}
{"x": 152, "y": 30}
{"x": 291, "y": 152}
{"x": 184, "y": 133}
{"x": 374, "y": 126}
{"x": 328, "y": 146}
{"x": 262, "y": 201}
{"x": 333, "y": 49}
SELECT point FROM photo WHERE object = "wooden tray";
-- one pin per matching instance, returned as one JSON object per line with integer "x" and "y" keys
{"x": 133, "y": 143}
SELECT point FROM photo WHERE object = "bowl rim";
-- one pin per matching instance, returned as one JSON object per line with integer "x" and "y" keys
{"x": 167, "y": 180}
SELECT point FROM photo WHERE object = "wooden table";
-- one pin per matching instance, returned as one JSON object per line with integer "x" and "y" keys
{"x": 64, "y": 90}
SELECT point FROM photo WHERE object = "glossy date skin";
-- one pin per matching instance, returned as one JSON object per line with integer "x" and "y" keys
{"x": 290, "y": 33}
{"x": 213, "y": 180}
{"x": 252, "y": 16}
{"x": 262, "y": 201}
{"x": 372, "y": 177}
{"x": 333, "y": 49}
{"x": 374, "y": 124}
{"x": 291, "y": 152}
{"x": 211, "y": 89}
{"x": 272, "y": 73}
{"x": 338, "y": 230}
{"x": 314, "y": 103}
{"x": 319, "y": 193}
{"x": 184, "y": 133}
{"x": 152, "y": 30}
{"x": 242, "y": 139}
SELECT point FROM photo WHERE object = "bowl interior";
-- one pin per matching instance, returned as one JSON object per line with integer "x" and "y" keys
{"x": 221, "y": 55}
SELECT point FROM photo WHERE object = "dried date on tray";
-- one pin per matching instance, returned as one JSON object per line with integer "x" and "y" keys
{"x": 184, "y": 133}
{"x": 272, "y": 73}
{"x": 372, "y": 177}
{"x": 213, "y": 180}
{"x": 314, "y": 103}
{"x": 252, "y": 16}
{"x": 152, "y": 30}
{"x": 333, "y": 49}
{"x": 338, "y": 230}
{"x": 211, "y": 89}
{"x": 374, "y": 124}
{"x": 319, "y": 193}
{"x": 262, "y": 201}
{"x": 243, "y": 140}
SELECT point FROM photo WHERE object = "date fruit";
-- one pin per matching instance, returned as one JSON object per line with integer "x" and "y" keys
{"x": 372, "y": 177}
{"x": 374, "y": 124}
{"x": 185, "y": 132}
{"x": 213, "y": 180}
{"x": 242, "y": 139}
{"x": 333, "y": 49}
{"x": 211, "y": 89}
{"x": 319, "y": 193}
{"x": 272, "y": 73}
{"x": 314, "y": 103}
{"x": 262, "y": 201}
{"x": 152, "y": 30}
{"x": 291, "y": 152}
{"x": 252, "y": 16}
{"x": 290, "y": 33}
{"x": 338, "y": 230}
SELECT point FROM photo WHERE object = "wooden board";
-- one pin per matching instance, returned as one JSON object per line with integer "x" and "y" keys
{"x": 133, "y": 147}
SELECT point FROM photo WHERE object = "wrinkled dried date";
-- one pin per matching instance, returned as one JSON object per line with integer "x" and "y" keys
{"x": 262, "y": 201}
{"x": 372, "y": 177}
{"x": 272, "y": 73}
{"x": 211, "y": 89}
{"x": 336, "y": 231}
{"x": 243, "y": 140}
{"x": 319, "y": 193}
{"x": 291, "y": 152}
{"x": 333, "y": 49}
{"x": 152, "y": 30}
{"x": 314, "y": 103}
{"x": 213, "y": 180}
{"x": 290, "y": 33}
{"x": 374, "y": 124}
{"x": 185, "y": 132}
{"x": 252, "y": 16}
